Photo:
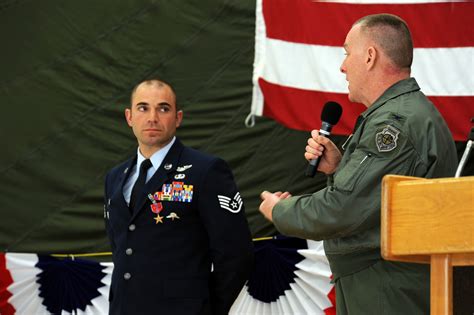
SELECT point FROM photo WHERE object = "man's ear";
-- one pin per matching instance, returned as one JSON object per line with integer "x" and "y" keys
{"x": 179, "y": 118}
{"x": 371, "y": 57}
{"x": 128, "y": 116}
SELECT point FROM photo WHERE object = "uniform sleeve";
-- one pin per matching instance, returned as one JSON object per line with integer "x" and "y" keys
{"x": 222, "y": 211}
{"x": 351, "y": 204}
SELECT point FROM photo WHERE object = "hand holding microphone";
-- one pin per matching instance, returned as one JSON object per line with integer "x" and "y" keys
{"x": 319, "y": 144}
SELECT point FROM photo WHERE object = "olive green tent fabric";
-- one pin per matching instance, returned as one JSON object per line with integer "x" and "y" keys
{"x": 67, "y": 71}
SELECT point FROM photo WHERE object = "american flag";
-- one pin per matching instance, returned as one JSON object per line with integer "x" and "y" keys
{"x": 298, "y": 52}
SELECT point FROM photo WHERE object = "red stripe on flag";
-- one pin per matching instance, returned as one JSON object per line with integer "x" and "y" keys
{"x": 301, "y": 109}
{"x": 458, "y": 112}
{"x": 5, "y": 281}
{"x": 321, "y": 23}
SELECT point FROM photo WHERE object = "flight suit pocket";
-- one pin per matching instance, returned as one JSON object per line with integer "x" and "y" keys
{"x": 349, "y": 175}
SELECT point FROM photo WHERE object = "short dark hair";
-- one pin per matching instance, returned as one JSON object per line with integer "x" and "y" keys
{"x": 393, "y": 36}
{"x": 159, "y": 83}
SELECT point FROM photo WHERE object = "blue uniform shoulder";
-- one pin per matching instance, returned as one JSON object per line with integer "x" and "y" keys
{"x": 198, "y": 157}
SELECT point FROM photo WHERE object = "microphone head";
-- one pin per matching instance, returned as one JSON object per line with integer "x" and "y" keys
{"x": 331, "y": 113}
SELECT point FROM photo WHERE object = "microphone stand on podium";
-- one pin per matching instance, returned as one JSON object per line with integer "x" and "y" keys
{"x": 430, "y": 221}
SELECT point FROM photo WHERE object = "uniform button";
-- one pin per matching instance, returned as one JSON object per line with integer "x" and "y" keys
{"x": 132, "y": 227}
{"x": 127, "y": 276}
{"x": 129, "y": 251}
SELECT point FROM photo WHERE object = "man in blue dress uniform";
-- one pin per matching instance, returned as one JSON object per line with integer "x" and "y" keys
{"x": 175, "y": 219}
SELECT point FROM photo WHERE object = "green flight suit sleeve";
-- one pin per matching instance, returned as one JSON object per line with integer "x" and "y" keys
{"x": 351, "y": 204}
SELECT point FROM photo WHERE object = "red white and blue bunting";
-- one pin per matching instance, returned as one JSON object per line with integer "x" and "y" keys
{"x": 291, "y": 276}
{"x": 40, "y": 284}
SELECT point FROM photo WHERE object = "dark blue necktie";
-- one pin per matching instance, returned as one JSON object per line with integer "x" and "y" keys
{"x": 139, "y": 186}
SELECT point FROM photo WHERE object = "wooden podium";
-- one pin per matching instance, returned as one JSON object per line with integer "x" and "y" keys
{"x": 430, "y": 221}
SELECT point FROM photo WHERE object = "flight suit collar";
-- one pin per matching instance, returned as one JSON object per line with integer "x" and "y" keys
{"x": 399, "y": 88}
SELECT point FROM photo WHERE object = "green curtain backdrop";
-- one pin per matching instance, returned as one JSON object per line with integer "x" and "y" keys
{"x": 67, "y": 70}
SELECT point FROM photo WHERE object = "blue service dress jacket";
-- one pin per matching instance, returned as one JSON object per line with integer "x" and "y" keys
{"x": 191, "y": 219}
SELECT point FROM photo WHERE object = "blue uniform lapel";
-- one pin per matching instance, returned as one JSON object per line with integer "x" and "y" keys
{"x": 117, "y": 195}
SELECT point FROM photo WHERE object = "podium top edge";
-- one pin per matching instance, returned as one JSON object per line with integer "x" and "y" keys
{"x": 406, "y": 180}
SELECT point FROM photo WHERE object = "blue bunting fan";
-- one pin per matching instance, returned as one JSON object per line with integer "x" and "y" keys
{"x": 291, "y": 276}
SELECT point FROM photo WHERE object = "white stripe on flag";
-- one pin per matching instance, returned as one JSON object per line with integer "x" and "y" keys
{"x": 439, "y": 71}
{"x": 298, "y": 68}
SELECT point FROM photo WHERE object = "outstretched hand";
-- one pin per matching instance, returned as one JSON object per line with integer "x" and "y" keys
{"x": 269, "y": 200}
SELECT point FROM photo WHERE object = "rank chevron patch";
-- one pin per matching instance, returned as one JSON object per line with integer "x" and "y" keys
{"x": 232, "y": 204}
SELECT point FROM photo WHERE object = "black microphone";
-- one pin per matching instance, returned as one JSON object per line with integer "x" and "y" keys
{"x": 330, "y": 115}
{"x": 469, "y": 145}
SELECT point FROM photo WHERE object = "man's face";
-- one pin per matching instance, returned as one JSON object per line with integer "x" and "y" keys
{"x": 153, "y": 116}
{"x": 354, "y": 66}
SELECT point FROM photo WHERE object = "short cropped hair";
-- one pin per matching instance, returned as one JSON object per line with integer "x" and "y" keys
{"x": 391, "y": 33}
{"x": 158, "y": 83}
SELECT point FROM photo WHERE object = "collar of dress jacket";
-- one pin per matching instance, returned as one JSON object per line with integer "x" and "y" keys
{"x": 156, "y": 159}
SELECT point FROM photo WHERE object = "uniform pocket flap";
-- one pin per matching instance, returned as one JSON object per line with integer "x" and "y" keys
{"x": 348, "y": 176}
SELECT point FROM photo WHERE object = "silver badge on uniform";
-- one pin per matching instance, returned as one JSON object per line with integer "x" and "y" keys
{"x": 179, "y": 176}
{"x": 183, "y": 168}
{"x": 168, "y": 166}
{"x": 106, "y": 212}
{"x": 173, "y": 216}
{"x": 386, "y": 140}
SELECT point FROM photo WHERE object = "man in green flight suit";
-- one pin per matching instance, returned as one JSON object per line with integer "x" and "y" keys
{"x": 401, "y": 132}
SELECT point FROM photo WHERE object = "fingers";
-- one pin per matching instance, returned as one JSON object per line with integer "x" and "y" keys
{"x": 269, "y": 200}
{"x": 313, "y": 149}
{"x": 309, "y": 156}
{"x": 285, "y": 195}
{"x": 265, "y": 194}
{"x": 318, "y": 142}
{"x": 281, "y": 195}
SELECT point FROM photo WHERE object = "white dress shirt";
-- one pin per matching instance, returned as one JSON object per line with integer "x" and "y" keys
{"x": 156, "y": 160}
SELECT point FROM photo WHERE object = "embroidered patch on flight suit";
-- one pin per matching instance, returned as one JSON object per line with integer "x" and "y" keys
{"x": 176, "y": 191}
{"x": 386, "y": 140}
{"x": 232, "y": 204}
